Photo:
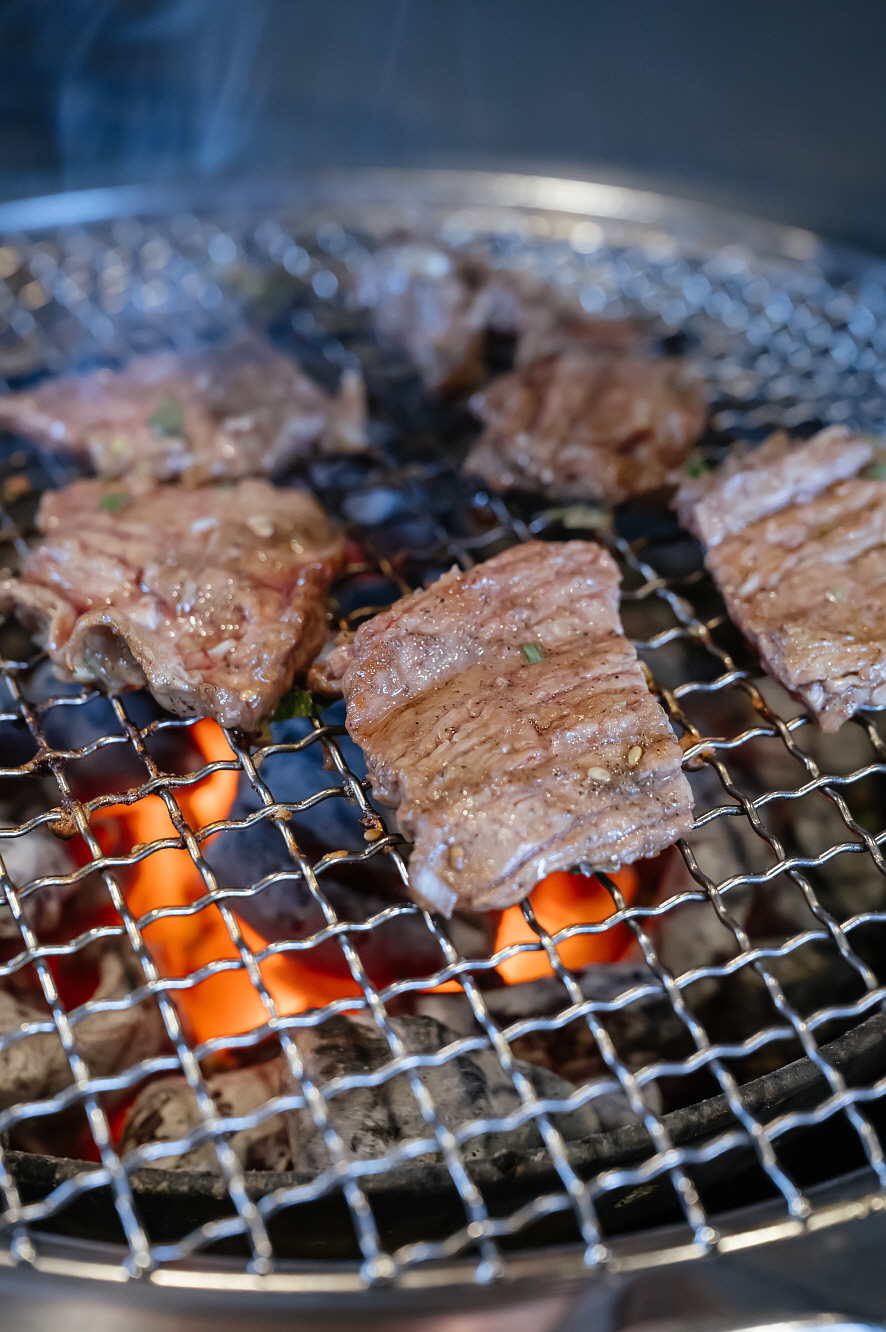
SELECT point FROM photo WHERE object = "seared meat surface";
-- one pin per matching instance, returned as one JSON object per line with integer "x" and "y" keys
{"x": 212, "y": 597}
{"x": 751, "y": 485}
{"x": 580, "y": 424}
{"x": 239, "y": 410}
{"x": 797, "y": 545}
{"x": 437, "y": 306}
{"x": 505, "y": 716}
{"x": 544, "y": 329}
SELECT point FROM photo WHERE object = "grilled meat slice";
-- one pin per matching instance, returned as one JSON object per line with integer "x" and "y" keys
{"x": 797, "y": 546}
{"x": 437, "y": 306}
{"x": 505, "y": 716}
{"x": 544, "y": 329}
{"x": 212, "y": 597}
{"x": 239, "y": 410}
{"x": 580, "y": 424}
{"x": 751, "y": 485}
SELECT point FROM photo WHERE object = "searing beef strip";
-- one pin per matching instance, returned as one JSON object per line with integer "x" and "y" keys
{"x": 543, "y": 330}
{"x": 239, "y": 410}
{"x": 211, "y": 597}
{"x": 579, "y": 424}
{"x": 437, "y": 306}
{"x": 751, "y": 485}
{"x": 799, "y": 554}
{"x": 505, "y": 715}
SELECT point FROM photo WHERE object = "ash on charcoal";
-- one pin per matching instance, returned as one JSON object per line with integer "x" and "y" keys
{"x": 642, "y": 1031}
{"x": 371, "y": 1121}
{"x": 689, "y": 935}
{"x": 166, "y": 1111}
{"x": 845, "y": 884}
{"x": 285, "y": 908}
{"x": 36, "y": 1067}
{"x": 36, "y": 855}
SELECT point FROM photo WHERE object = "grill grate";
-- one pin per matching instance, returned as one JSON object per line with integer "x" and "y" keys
{"x": 785, "y": 342}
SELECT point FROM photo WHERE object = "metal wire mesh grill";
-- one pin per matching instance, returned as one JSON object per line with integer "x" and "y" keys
{"x": 783, "y": 343}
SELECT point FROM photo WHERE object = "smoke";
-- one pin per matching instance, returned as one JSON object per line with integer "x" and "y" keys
{"x": 147, "y": 89}
{"x": 152, "y": 90}
{"x": 386, "y": 79}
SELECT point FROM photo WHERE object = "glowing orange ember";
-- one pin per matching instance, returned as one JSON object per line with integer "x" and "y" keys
{"x": 227, "y": 1003}
{"x": 559, "y": 901}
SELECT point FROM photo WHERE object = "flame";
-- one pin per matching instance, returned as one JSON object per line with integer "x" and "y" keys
{"x": 558, "y": 901}
{"x": 227, "y": 1003}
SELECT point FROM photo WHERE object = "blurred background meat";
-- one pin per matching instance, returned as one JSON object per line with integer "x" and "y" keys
{"x": 581, "y": 425}
{"x": 232, "y": 411}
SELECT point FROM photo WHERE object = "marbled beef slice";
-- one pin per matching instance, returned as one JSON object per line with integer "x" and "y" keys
{"x": 581, "y": 423}
{"x": 242, "y": 409}
{"x": 212, "y": 597}
{"x": 797, "y": 545}
{"x": 505, "y": 716}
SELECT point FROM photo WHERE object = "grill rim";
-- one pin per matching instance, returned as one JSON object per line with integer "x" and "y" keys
{"x": 583, "y": 196}
{"x": 860, "y": 1043}
{"x": 850, "y": 1198}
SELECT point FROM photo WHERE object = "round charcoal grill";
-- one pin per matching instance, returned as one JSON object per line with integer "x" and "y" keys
{"x": 763, "y": 1111}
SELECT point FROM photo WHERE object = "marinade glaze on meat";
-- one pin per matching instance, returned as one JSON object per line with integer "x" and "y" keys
{"x": 505, "y": 716}
{"x": 212, "y": 597}
{"x": 583, "y": 424}
{"x": 242, "y": 409}
{"x": 797, "y": 544}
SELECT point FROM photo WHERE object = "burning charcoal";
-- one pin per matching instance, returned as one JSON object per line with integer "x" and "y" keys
{"x": 845, "y": 884}
{"x": 370, "y": 1120}
{"x": 111, "y": 1040}
{"x": 286, "y": 910}
{"x": 691, "y": 935}
{"x": 36, "y": 855}
{"x": 166, "y": 1110}
{"x": 642, "y": 1031}
{"x": 70, "y": 726}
